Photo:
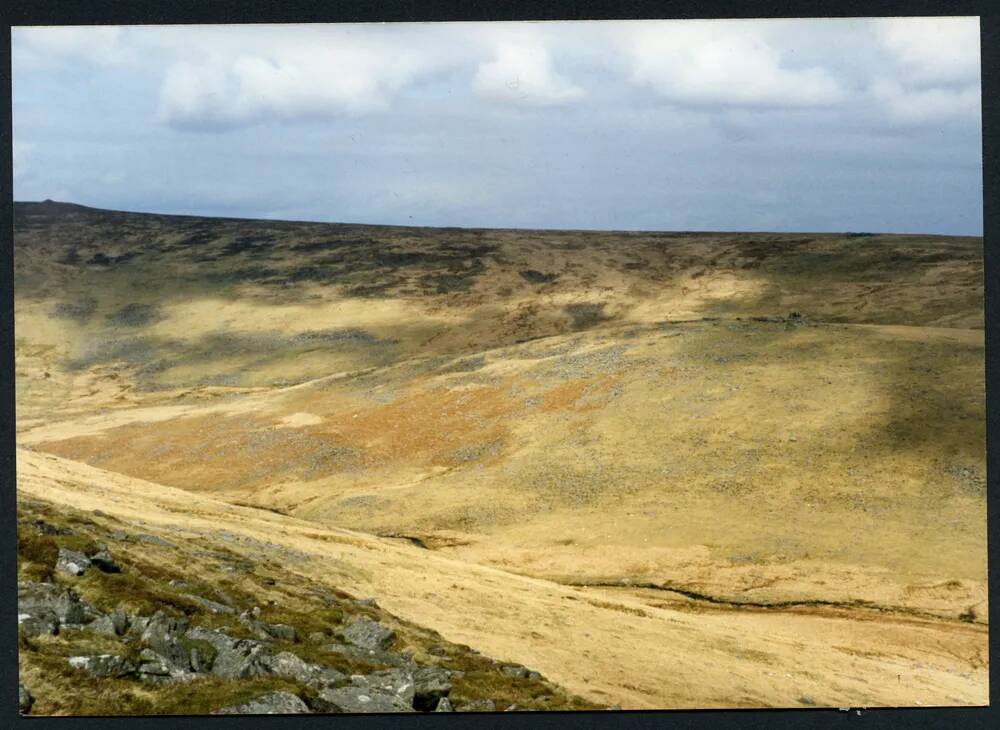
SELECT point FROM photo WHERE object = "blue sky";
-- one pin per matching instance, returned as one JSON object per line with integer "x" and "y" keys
{"x": 778, "y": 125}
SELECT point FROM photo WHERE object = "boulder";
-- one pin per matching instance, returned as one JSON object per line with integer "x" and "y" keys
{"x": 242, "y": 659}
{"x": 103, "y": 625}
{"x": 275, "y": 703}
{"x": 368, "y": 634}
{"x": 430, "y": 686}
{"x": 43, "y": 623}
{"x": 104, "y": 562}
{"x": 120, "y": 620}
{"x": 156, "y": 668}
{"x": 444, "y": 705}
{"x": 398, "y": 682}
{"x": 163, "y": 634}
{"x": 286, "y": 664}
{"x": 24, "y": 699}
{"x": 104, "y": 665}
{"x": 514, "y": 670}
{"x": 50, "y": 599}
{"x": 72, "y": 562}
{"x": 389, "y": 658}
{"x": 358, "y": 700}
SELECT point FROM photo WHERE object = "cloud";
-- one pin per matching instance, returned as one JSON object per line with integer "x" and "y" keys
{"x": 725, "y": 63}
{"x": 935, "y": 64}
{"x": 928, "y": 105}
{"x": 523, "y": 74}
{"x": 933, "y": 51}
{"x": 293, "y": 77}
{"x": 34, "y": 47}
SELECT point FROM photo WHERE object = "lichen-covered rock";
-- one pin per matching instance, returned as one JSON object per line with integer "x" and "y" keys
{"x": 50, "y": 599}
{"x": 163, "y": 634}
{"x": 43, "y": 623}
{"x": 104, "y": 665}
{"x": 286, "y": 664}
{"x": 24, "y": 699}
{"x": 275, "y": 703}
{"x": 103, "y": 625}
{"x": 430, "y": 686}
{"x": 72, "y": 562}
{"x": 444, "y": 705}
{"x": 355, "y": 699}
{"x": 389, "y": 658}
{"x": 242, "y": 659}
{"x": 368, "y": 634}
{"x": 393, "y": 681}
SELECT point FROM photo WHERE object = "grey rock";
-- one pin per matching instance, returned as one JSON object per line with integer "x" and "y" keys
{"x": 318, "y": 637}
{"x": 286, "y": 664}
{"x": 478, "y": 706}
{"x": 431, "y": 685}
{"x": 392, "y": 681}
{"x": 72, "y": 562}
{"x": 120, "y": 620}
{"x": 35, "y": 599}
{"x": 216, "y": 639}
{"x": 175, "y": 583}
{"x": 163, "y": 635}
{"x": 514, "y": 670}
{"x": 275, "y": 703}
{"x": 388, "y": 658}
{"x": 152, "y": 540}
{"x": 103, "y": 625}
{"x": 534, "y": 675}
{"x": 104, "y": 665}
{"x": 43, "y": 623}
{"x": 24, "y": 699}
{"x": 104, "y": 562}
{"x": 368, "y": 634}
{"x": 137, "y": 625}
{"x": 213, "y": 606}
{"x": 156, "y": 668}
{"x": 244, "y": 658}
{"x": 444, "y": 705}
{"x": 358, "y": 700}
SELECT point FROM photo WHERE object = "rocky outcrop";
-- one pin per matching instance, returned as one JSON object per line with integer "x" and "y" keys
{"x": 72, "y": 562}
{"x": 367, "y": 634}
{"x": 355, "y": 699}
{"x": 43, "y": 607}
{"x": 104, "y": 665}
{"x": 275, "y": 703}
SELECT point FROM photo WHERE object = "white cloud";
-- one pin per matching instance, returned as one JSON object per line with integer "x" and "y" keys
{"x": 928, "y": 105}
{"x": 523, "y": 74}
{"x": 288, "y": 76}
{"x": 37, "y": 46}
{"x": 728, "y": 63}
{"x": 933, "y": 51}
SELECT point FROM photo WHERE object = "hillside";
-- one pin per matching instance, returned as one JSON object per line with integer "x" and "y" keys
{"x": 749, "y": 430}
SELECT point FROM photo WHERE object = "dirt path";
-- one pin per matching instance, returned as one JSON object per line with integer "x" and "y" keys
{"x": 606, "y": 646}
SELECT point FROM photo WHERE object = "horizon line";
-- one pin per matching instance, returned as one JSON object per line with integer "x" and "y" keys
{"x": 637, "y": 231}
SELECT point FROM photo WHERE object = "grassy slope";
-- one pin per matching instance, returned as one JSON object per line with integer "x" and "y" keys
{"x": 519, "y": 399}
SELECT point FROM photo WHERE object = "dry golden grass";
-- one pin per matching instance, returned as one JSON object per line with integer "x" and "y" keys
{"x": 623, "y": 418}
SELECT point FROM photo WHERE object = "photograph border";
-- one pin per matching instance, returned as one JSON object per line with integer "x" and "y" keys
{"x": 62, "y": 12}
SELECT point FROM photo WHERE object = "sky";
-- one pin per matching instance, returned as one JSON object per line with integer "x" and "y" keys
{"x": 761, "y": 125}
